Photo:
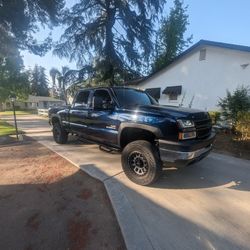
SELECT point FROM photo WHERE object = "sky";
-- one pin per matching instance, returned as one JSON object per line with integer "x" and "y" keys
{"x": 217, "y": 20}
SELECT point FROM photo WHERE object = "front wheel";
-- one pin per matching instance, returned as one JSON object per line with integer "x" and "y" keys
{"x": 141, "y": 162}
{"x": 59, "y": 133}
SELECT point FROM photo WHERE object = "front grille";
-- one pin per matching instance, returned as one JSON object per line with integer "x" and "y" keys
{"x": 203, "y": 128}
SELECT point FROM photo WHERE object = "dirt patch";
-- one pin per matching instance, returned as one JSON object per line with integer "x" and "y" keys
{"x": 33, "y": 221}
{"x": 47, "y": 203}
{"x": 78, "y": 233}
{"x": 227, "y": 143}
{"x": 85, "y": 194}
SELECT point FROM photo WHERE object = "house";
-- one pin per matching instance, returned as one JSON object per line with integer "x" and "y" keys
{"x": 34, "y": 102}
{"x": 200, "y": 76}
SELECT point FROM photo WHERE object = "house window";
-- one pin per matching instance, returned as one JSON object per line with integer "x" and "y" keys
{"x": 173, "y": 97}
{"x": 203, "y": 53}
{"x": 172, "y": 92}
{"x": 154, "y": 92}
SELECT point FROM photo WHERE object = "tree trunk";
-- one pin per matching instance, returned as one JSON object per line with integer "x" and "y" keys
{"x": 53, "y": 85}
{"x": 65, "y": 93}
{"x": 109, "y": 46}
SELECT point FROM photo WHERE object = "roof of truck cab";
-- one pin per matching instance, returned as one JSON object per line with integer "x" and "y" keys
{"x": 113, "y": 87}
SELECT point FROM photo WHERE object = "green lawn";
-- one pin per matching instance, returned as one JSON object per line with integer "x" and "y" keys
{"x": 18, "y": 112}
{"x": 6, "y": 129}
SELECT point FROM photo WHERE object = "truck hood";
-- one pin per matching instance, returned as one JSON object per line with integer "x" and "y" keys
{"x": 174, "y": 112}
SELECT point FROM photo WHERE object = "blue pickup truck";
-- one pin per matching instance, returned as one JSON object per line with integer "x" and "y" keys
{"x": 149, "y": 135}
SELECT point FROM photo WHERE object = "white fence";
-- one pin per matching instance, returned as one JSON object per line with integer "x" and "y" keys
{"x": 43, "y": 112}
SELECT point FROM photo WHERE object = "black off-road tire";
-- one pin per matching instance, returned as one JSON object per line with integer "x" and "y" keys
{"x": 141, "y": 162}
{"x": 59, "y": 133}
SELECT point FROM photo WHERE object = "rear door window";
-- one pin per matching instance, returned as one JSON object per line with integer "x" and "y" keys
{"x": 103, "y": 94}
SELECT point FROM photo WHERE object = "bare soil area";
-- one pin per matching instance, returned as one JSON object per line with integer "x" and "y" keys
{"x": 230, "y": 145}
{"x": 47, "y": 203}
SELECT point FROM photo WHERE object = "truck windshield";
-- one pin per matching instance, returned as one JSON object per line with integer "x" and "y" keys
{"x": 133, "y": 97}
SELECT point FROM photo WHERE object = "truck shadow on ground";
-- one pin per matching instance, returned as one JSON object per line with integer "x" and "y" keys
{"x": 36, "y": 212}
{"x": 164, "y": 228}
{"x": 208, "y": 173}
{"x": 34, "y": 215}
{"x": 33, "y": 209}
{"x": 205, "y": 174}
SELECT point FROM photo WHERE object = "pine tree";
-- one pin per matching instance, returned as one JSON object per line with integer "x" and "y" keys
{"x": 113, "y": 35}
{"x": 20, "y": 19}
{"x": 39, "y": 82}
{"x": 171, "y": 39}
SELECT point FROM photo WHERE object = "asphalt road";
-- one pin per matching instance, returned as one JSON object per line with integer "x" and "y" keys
{"x": 204, "y": 206}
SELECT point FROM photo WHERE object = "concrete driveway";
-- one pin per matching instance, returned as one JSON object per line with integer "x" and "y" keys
{"x": 204, "y": 206}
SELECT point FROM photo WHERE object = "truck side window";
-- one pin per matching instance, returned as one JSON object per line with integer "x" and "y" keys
{"x": 103, "y": 94}
{"x": 82, "y": 99}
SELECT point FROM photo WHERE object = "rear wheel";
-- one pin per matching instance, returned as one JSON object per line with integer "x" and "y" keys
{"x": 141, "y": 162}
{"x": 59, "y": 133}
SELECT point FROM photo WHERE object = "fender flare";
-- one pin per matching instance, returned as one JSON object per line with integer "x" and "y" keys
{"x": 156, "y": 131}
{"x": 56, "y": 116}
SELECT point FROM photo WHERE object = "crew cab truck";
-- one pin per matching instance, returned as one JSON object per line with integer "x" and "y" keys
{"x": 149, "y": 135}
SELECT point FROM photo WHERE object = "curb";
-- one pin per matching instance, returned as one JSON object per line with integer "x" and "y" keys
{"x": 132, "y": 230}
{"x": 134, "y": 236}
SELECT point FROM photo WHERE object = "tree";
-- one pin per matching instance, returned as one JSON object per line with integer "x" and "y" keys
{"x": 53, "y": 74}
{"x": 62, "y": 82}
{"x": 19, "y": 20}
{"x": 114, "y": 35}
{"x": 65, "y": 78}
{"x": 235, "y": 104}
{"x": 171, "y": 39}
{"x": 39, "y": 82}
{"x": 13, "y": 79}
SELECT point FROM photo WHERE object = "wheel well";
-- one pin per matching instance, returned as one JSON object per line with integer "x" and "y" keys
{"x": 132, "y": 134}
{"x": 55, "y": 120}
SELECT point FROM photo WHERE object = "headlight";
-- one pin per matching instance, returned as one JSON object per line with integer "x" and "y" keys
{"x": 187, "y": 128}
{"x": 185, "y": 123}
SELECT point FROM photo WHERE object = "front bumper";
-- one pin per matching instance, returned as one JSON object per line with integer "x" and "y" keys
{"x": 182, "y": 153}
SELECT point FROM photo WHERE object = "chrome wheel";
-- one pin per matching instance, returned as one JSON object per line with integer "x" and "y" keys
{"x": 138, "y": 163}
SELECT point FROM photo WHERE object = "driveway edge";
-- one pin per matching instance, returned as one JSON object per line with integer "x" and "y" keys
{"x": 130, "y": 225}
{"x": 132, "y": 230}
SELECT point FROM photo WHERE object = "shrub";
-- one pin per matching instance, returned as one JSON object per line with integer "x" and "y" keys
{"x": 236, "y": 106}
{"x": 243, "y": 125}
{"x": 215, "y": 116}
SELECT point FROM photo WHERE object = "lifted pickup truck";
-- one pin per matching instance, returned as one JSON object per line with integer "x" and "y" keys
{"x": 148, "y": 134}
